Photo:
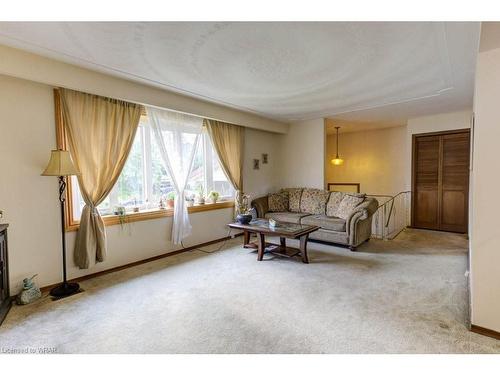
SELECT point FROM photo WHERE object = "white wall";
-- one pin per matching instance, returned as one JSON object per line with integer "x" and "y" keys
{"x": 440, "y": 122}
{"x": 373, "y": 158}
{"x": 433, "y": 123}
{"x": 135, "y": 241}
{"x": 31, "y": 206}
{"x": 29, "y": 201}
{"x": 303, "y": 155}
{"x": 485, "y": 233}
{"x": 265, "y": 179}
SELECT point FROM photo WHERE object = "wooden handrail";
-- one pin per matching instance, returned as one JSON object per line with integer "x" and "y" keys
{"x": 392, "y": 197}
{"x": 391, "y": 200}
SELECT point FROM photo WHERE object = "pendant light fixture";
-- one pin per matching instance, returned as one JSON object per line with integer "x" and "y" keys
{"x": 337, "y": 160}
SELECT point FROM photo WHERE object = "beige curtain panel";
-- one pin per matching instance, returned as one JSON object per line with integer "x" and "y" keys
{"x": 228, "y": 140}
{"x": 100, "y": 134}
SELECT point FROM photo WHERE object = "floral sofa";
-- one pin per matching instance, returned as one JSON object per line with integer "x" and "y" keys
{"x": 343, "y": 218}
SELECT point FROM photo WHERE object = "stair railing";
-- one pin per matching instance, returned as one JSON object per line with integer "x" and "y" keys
{"x": 392, "y": 215}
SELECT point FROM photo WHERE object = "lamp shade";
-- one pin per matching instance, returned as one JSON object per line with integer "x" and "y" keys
{"x": 337, "y": 161}
{"x": 60, "y": 164}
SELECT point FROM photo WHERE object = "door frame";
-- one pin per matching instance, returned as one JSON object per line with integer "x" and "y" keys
{"x": 413, "y": 169}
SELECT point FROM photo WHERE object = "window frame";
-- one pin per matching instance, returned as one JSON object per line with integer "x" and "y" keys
{"x": 147, "y": 214}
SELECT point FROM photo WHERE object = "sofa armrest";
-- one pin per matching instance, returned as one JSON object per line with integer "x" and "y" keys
{"x": 358, "y": 225}
{"x": 362, "y": 212}
{"x": 353, "y": 220}
{"x": 261, "y": 206}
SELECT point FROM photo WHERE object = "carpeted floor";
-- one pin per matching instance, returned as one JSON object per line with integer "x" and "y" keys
{"x": 408, "y": 295}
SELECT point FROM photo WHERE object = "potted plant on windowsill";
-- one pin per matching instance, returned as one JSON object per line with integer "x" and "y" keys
{"x": 170, "y": 199}
{"x": 213, "y": 196}
{"x": 121, "y": 212}
{"x": 200, "y": 199}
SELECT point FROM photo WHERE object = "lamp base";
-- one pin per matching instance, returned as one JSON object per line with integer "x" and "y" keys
{"x": 64, "y": 290}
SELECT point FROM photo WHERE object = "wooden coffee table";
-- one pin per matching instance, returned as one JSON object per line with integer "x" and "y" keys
{"x": 284, "y": 230}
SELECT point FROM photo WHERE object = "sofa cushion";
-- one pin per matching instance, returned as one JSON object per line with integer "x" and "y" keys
{"x": 313, "y": 201}
{"x": 331, "y": 223}
{"x": 348, "y": 204}
{"x": 334, "y": 202}
{"x": 286, "y": 217}
{"x": 278, "y": 202}
{"x": 330, "y": 236}
{"x": 294, "y": 195}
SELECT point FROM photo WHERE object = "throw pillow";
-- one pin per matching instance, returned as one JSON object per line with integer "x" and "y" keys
{"x": 278, "y": 202}
{"x": 313, "y": 201}
{"x": 347, "y": 205}
{"x": 334, "y": 202}
{"x": 294, "y": 195}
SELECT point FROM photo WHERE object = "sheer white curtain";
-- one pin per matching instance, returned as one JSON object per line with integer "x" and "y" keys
{"x": 177, "y": 136}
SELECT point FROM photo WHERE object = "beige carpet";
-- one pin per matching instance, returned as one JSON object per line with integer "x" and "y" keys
{"x": 403, "y": 296}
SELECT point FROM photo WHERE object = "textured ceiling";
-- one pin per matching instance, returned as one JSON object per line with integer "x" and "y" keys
{"x": 288, "y": 71}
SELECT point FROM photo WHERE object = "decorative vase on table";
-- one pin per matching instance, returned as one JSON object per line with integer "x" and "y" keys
{"x": 244, "y": 218}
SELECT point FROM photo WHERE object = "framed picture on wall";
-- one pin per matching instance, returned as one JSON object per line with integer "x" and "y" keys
{"x": 346, "y": 187}
{"x": 264, "y": 158}
{"x": 256, "y": 163}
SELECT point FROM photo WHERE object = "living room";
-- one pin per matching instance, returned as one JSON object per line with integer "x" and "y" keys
{"x": 133, "y": 154}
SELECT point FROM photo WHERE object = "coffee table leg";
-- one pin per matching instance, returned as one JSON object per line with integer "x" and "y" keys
{"x": 246, "y": 238}
{"x": 283, "y": 244}
{"x": 262, "y": 246}
{"x": 303, "y": 248}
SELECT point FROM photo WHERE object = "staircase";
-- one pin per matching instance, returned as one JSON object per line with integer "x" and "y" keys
{"x": 392, "y": 215}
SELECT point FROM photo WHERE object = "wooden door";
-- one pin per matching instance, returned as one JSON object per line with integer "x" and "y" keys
{"x": 426, "y": 182}
{"x": 441, "y": 181}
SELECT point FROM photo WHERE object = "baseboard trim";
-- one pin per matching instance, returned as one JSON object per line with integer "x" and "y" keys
{"x": 485, "y": 331}
{"x": 139, "y": 262}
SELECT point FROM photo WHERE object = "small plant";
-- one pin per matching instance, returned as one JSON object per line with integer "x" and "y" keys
{"x": 213, "y": 196}
{"x": 201, "y": 194}
{"x": 121, "y": 212}
{"x": 243, "y": 209}
{"x": 170, "y": 199}
{"x": 243, "y": 205}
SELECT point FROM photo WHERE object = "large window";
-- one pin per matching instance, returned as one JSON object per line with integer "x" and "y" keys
{"x": 144, "y": 180}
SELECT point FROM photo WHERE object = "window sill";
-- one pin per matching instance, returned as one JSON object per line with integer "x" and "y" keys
{"x": 153, "y": 214}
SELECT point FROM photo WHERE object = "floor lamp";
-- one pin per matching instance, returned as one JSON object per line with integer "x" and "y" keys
{"x": 61, "y": 165}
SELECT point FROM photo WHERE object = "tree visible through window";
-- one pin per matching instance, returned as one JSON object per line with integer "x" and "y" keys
{"x": 144, "y": 180}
